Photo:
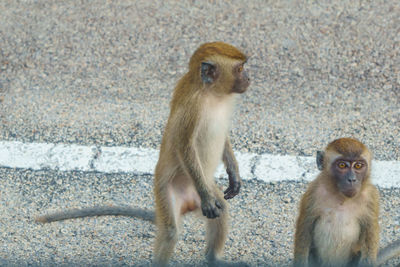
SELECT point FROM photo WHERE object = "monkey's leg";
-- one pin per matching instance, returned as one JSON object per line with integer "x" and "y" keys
{"x": 217, "y": 230}
{"x": 175, "y": 199}
{"x": 167, "y": 218}
{"x": 166, "y": 239}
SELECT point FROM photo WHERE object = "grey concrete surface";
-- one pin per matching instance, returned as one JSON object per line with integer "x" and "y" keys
{"x": 102, "y": 72}
{"x": 261, "y": 234}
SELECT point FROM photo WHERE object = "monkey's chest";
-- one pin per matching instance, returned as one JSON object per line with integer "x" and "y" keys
{"x": 335, "y": 233}
{"x": 212, "y": 135}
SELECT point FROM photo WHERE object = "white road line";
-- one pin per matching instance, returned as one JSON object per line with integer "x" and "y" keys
{"x": 266, "y": 167}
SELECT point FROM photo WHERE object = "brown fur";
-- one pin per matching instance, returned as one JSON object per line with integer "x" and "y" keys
{"x": 347, "y": 146}
{"x": 215, "y": 48}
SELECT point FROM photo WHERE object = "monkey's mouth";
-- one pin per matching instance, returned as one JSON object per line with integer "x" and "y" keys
{"x": 350, "y": 192}
{"x": 241, "y": 89}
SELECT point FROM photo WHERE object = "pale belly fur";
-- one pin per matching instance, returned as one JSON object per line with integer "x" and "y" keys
{"x": 213, "y": 131}
{"x": 332, "y": 232}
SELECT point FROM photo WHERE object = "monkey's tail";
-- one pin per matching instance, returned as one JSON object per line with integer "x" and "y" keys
{"x": 390, "y": 251}
{"x": 147, "y": 215}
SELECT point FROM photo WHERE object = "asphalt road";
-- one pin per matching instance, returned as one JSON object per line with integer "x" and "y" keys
{"x": 102, "y": 73}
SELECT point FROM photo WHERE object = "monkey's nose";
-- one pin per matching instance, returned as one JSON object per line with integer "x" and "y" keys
{"x": 351, "y": 179}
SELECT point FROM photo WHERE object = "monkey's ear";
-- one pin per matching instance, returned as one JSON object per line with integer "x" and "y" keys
{"x": 320, "y": 160}
{"x": 209, "y": 72}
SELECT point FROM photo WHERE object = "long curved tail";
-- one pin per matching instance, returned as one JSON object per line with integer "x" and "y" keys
{"x": 390, "y": 251}
{"x": 147, "y": 215}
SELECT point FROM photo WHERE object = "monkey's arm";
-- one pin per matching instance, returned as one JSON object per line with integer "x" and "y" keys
{"x": 188, "y": 155}
{"x": 304, "y": 232}
{"x": 390, "y": 251}
{"x": 232, "y": 169}
{"x": 209, "y": 204}
{"x": 147, "y": 215}
{"x": 370, "y": 231}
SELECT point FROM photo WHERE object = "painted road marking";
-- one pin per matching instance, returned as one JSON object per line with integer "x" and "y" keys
{"x": 265, "y": 167}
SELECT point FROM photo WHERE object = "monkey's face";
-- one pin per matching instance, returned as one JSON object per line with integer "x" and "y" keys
{"x": 241, "y": 79}
{"x": 226, "y": 77}
{"x": 349, "y": 175}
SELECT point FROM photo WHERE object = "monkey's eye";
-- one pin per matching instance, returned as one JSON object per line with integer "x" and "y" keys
{"x": 240, "y": 68}
{"x": 342, "y": 165}
{"x": 358, "y": 165}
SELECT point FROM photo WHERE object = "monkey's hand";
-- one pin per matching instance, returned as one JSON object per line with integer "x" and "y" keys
{"x": 234, "y": 185}
{"x": 211, "y": 208}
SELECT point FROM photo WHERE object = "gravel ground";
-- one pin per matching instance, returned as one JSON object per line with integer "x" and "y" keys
{"x": 102, "y": 72}
{"x": 261, "y": 232}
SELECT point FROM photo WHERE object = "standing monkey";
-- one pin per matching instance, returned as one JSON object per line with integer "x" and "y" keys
{"x": 338, "y": 217}
{"x": 194, "y": 142}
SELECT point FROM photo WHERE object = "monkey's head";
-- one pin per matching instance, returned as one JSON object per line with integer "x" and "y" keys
{"x": 346, "y": 162}
{"x": 220, "y": 66}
